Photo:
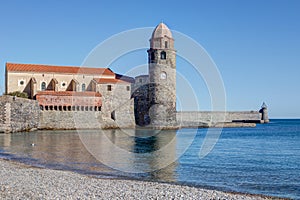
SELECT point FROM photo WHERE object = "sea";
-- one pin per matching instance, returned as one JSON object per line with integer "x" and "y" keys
{"x": 262, "y": 160}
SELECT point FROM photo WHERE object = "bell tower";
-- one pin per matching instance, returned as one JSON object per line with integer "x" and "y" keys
{"x": 162, "y": 75}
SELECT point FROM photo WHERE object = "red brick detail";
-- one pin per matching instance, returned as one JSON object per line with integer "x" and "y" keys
{"x": 50, "y": 98}
{"x": 69, "y": 93}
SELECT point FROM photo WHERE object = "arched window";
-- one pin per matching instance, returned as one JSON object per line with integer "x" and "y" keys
{"x": 166, "y": 44}
{"x": 83, "y": 87}
{"x": 163, "y": 55}
{"x": 152, "y": 56}
{"x": 43, "y": 86}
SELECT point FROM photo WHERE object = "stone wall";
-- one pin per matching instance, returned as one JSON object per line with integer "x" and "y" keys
{"x": 70, "y": 120}
{"x": 18, "y": 114}
{"x": 24, "y": 115}
{"x": 194, "y": 118}
{"x": 118, "y": 117}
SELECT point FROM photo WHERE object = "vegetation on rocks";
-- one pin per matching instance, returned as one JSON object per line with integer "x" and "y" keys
{"x": 18, "y": 94}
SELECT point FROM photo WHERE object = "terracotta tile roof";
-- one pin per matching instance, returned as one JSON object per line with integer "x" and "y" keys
{"x": 57, "y": 69}
{"x": 70, "y": 93}
{"x": 110, "y": 80}
{"x": 125, "y": 78}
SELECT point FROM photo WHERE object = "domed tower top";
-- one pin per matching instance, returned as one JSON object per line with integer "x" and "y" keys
{"x": 161, "y": 30}
{"x": 162, "y": 38}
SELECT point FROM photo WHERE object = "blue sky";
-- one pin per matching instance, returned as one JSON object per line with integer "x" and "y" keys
{"x": 255, "y": 44}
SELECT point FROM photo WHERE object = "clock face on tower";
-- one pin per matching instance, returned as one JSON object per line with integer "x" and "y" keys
{"x": 163, "y": 75}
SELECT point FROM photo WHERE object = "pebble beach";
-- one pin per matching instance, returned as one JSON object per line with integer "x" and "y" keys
{"x": 19, "y": 181}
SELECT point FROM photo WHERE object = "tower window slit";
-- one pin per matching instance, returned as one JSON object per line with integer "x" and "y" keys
{"x": 163, "y": 55}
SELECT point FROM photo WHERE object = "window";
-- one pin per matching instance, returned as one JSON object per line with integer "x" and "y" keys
{"x": 166, "y": 44}
{"x": 109, "y": 88}
{"x": 113, "y": 115}
{"x": 21, "y": 82}
{"x": 152, "y": 56}
{"x": 83, "y": 87}
{"x": 140, "y": 80}
{"x": 43, "y": 86}
{"x": 163, "y": 55}
{"x": 128, "y": 88}
{"x": 63, "y": 84}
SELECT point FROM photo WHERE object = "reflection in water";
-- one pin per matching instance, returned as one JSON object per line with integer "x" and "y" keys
{"x": 261, "y": 160}
{"x": 133, "y": 154}
{"x": 116, "y": 149}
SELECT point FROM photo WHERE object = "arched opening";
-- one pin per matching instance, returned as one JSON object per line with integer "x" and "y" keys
{"x": 53, "y": 85}
{"x": 43, "y": 86}
{"x": 83, "y": 87}
{"x": 152, "y": 57}
{"x": 73, "y": 86}
{"x": 113, "y": 115}
{"x": 163, "y": 55}
{"x": 166, "y": 44}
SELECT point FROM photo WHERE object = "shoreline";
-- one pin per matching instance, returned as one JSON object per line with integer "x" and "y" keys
{"x": 19, "y": 181}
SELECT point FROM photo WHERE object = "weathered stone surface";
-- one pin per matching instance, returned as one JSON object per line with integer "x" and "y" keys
{"x": 18, "y": 114}
{"x": 210, "y": 119}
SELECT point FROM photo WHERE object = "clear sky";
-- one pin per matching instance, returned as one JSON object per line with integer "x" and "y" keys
{"x": 255, "y": 44}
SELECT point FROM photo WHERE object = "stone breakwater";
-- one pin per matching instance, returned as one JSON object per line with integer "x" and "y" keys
{"x": 18, "y": 181}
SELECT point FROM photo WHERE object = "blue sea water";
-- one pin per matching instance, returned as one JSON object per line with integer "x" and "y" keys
{"x": 261, "y": 160}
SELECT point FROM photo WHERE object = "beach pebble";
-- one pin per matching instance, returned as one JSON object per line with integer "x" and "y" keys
{"x": 18, "y": 181}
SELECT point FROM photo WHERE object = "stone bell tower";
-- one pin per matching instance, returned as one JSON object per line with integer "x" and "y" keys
{"x": 162, "y": 75}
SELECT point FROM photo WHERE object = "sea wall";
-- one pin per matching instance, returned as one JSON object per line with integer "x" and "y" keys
{"x": 210, "y": 119}
{"x": 18, "y": 114}
{"x": 70, "y": 119}
{"x": 123, "y": 117}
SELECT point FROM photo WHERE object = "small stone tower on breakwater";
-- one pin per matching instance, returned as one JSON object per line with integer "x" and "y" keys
{"x": 162, "y": 75}
{"x": 264, "y": 113}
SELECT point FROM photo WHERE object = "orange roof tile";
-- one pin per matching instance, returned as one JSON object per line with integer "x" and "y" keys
{"x": 110, "y": 80}
{"x": 70, "y": 93}
{"x": 57, "y": 69}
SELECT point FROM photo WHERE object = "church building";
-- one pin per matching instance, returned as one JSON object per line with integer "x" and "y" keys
{"x": 64, "y": 88}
